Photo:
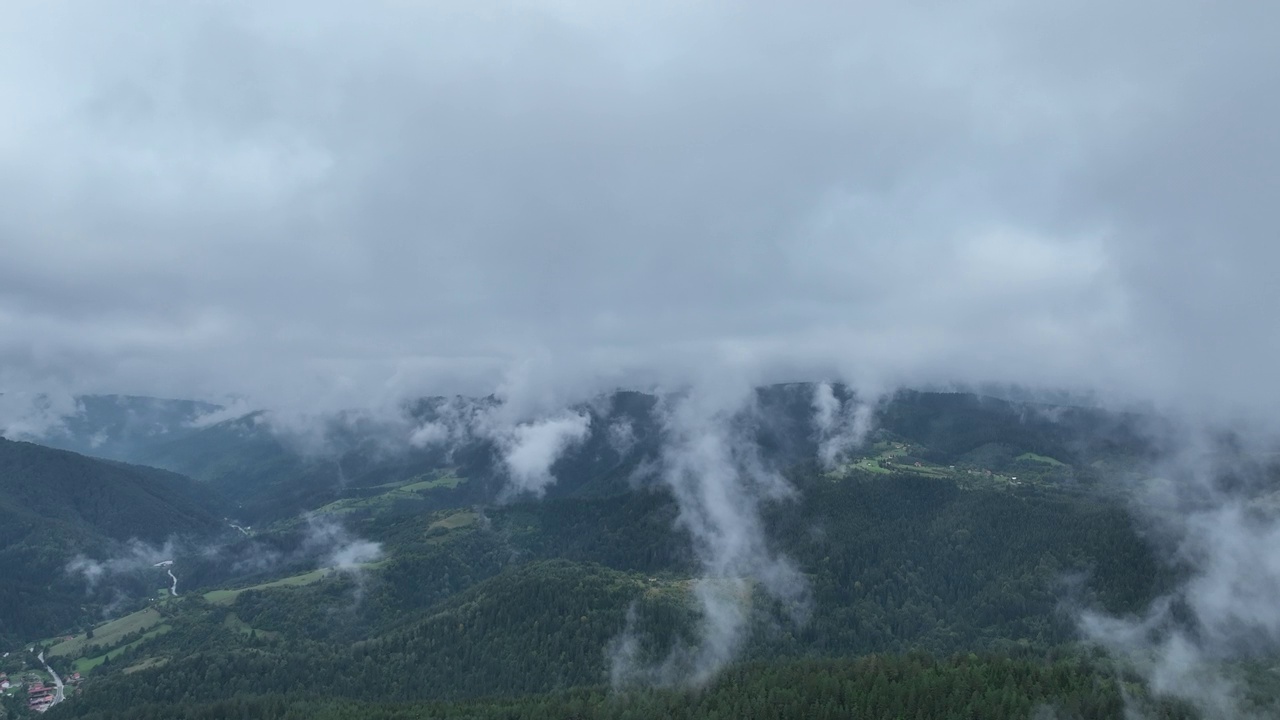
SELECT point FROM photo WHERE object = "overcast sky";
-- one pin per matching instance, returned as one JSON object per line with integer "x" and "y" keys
{"x": 348, "y": 201}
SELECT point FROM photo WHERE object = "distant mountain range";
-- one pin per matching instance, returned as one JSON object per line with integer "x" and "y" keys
{"x": 271, "y": 473}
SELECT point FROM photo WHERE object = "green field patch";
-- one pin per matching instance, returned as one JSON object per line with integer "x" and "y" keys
{"x": 411, "y": 489}
{"x": 927, "y": 470}
{"x": 343, "y": 505}
{"x": 147, "y": 664}
{"x": 871, "y": 465}
{"x": 1040, "y": 459}
{"x": 108, "y": 633}
{"x": 226, "y": 597}
{"x": 85, "y": 664}
{"x": 886, "y": 458}
{"x": 233, "y": 623}
{"x": 445, "y": 481}
{"x": 677, "y": 588}
{"x": 455, "y": 520}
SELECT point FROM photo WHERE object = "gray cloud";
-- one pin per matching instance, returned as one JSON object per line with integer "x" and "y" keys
{"x": 712, "y": 467}
{"x": 334, "y": 546}
{"x": 311, "y": 203}
{"x": 530, "y": 449}
{"x": 841, "y": 424}
{"x": 33, "y": 415}
{"x": 131, "y": 557}
{"x": 1212, "y": 508}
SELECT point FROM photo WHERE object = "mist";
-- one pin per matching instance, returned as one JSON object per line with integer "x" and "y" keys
{"x": 132, "y": 557}
{"x": 841, "y": 424}
{"x": 711, "y": 465}
{"x": 314, "y": 208}
{"x": 1210, "y": 506}
{"x": 321, "y": 542}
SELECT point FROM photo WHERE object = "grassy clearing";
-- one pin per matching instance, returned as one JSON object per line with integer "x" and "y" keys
{"x": 455, "y": 520}
{"x": 226, "y": 597}
{"x": 233, "y": 623}
{"x": 898, "y": 458}
{"x": 1040, "y": 459}
{"x": 870, "y": 465}
{"x": 448, "y": 480}
{"x": 147, "y": 664}
{"x": 85, "y": 664}
{"x": 928, "y": 470}
{"x": 680, "y": 588}
{"x": 412, "y": 489}
{"x": 890, "y": 454}
{"x": 109, "y": 633}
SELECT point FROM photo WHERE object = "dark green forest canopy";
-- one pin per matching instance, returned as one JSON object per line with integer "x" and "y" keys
{"x": 878, "y": 686}
{"x": 56, "y": 504}
{"x": 963, "y": 525}
{"x": 530, "y": 603}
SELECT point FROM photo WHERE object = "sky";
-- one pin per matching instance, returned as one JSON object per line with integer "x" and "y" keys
{"x": 347, "y": 203}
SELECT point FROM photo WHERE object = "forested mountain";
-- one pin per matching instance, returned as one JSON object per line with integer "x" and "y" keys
{"x": 940, "y": 557}
{"x": 874, "y": 687}
{"x": 113, "y": 499}
{"x": 274, "y": 472}
{"x": 56, "y": 504}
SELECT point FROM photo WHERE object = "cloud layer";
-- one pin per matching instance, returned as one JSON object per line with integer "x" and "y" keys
{"x": 318, "y": 203}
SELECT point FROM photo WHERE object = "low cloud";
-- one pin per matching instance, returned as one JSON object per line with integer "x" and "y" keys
{"x": 530, "y": 449}
{"x": 712, "y": 468}
{"x": 236, "y": 408}
{"x": 621, "y": 436}
{"x": 334, "y": 546}
{"x": 325, "y": 543}
{"x": 132, "y": 557}
{"x": 841, "y": 425}
{"x": 31, "y": 416}
{"x": 1211, "y": 507}
{"x": 431, "y": 433}
{"x": 352, "y": 555}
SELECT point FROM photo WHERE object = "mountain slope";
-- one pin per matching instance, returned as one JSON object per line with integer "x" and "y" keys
{"x": 106, "y": 498}
{"x": 55, "y": 505}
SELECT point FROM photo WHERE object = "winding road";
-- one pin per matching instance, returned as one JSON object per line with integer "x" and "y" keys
{"x": 58, "y": 696}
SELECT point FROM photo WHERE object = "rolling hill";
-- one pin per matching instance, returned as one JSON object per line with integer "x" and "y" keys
{"x": 56, "y": 504}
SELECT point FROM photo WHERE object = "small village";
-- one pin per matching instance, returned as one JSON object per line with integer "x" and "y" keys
{"x": 36, "y": 686}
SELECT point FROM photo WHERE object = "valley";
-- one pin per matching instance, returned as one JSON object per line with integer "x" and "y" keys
{"x": 949, "y": 541}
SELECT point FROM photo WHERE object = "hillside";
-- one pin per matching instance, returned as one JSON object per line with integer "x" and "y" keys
{"x": 56, "y": 504}
{"x": 112, "y": 499}
{"x": 347, "y": 459}
{"x": 870, "y": 688}
{"x": 532, "y": 598}
{"x": 273, "y": 475}
{"x": 957, "y": 525}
